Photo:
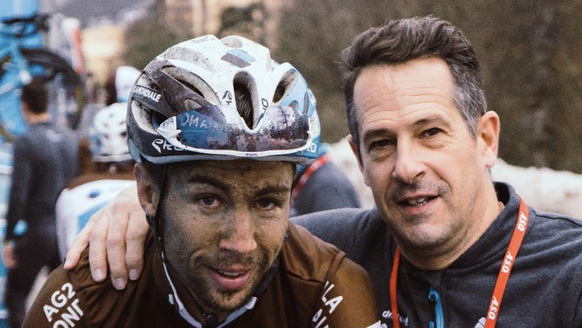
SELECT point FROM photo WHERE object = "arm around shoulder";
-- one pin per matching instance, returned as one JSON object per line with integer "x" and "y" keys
{"x": 348, "y": 300}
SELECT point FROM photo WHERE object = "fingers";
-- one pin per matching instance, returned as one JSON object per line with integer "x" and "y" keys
{"x": 122, "y": 222}
{"x": 116, "y": 245}
{"x": 116, "y": 235}
{"x": 97, "y": 252}
{"x": 80, "y": 243}
{"x": 136, "y": 234}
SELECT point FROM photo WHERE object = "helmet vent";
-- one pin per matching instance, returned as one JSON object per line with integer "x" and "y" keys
{"x": 244, "y": 103}
{"x": 245, "y": 96}
{"x": 285, "y": 86}
{"x": 192, "y": 103}
{"x": 279, "y": 92}
{"x": 171, "y": 101}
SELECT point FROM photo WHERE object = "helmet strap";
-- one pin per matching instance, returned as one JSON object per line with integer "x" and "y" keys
{"x": 211, "y": 319}
{"x": 155, "y": 221}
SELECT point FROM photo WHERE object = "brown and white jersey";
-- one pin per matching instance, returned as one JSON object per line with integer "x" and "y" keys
{"x": 315, "y": 286}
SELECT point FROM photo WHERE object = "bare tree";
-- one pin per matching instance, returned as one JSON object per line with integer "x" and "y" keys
{"x": 544, "y": 45}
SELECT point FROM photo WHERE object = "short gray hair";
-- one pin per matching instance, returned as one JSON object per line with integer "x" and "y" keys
{"x": 400, "y": 41}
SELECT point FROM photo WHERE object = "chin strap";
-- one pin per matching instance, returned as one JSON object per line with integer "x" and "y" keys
{"x": 262, "y": 286}
{"x": 211, "y": 319}
{"x": 154, "y": 221}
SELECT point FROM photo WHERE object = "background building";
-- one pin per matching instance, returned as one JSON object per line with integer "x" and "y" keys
{"x": 200, "y": 17}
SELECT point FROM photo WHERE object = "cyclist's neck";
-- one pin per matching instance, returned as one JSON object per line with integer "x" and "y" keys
{"x": 37, "y": 118}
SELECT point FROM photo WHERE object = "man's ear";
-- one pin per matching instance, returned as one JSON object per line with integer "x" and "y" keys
{"x": 358, "y": 158}
{"x": 488, "y": 128}
{"x": 147, "y": 191}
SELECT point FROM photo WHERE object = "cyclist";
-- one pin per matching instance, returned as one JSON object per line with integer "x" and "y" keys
{"x": 112, "y": 172}
{"x": 217, "y": 127}
{"x": 118, "y": 85}
{"x": 45, "y": 160}
{"x": 321, "y": 186}
{"x": 118, "y": 88}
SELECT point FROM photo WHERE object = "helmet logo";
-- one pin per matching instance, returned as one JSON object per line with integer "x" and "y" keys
{"x": 162, "y": 145}
{"x": 264, "y": 103}
{"x": 238, "y": 58}
{"x": 228, "y": 96}
{"x": 147, "y": 93}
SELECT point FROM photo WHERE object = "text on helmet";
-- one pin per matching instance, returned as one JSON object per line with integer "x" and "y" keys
{"x": 147, "y": 93}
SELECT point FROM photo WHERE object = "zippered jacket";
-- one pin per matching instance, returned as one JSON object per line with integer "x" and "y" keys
{"x": 544, "y": 288}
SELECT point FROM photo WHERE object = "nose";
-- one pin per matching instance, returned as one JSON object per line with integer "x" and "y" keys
{"x": 239, "y": 233}
{"x": 409, "y": 163}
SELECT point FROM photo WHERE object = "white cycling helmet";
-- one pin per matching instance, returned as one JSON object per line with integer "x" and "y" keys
{"x": 125, "y": 77}
{"x": 108, "y": 134}
{"x": 184, "y": 106}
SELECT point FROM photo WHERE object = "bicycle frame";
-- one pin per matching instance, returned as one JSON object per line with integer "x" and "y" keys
{"x": 12, "y": 100}
{"x": 16, "y": 72}
{"x": 21, "y": 63}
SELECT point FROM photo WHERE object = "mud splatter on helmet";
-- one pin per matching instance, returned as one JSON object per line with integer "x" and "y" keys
{"x": 221, "y": 99}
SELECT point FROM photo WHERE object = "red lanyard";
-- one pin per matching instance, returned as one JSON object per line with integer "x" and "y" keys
{"x": 502, "y": 278}
{"x": 308, "y": 173}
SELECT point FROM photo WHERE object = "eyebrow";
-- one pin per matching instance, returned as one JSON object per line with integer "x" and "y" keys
{"x": 273, "y": 190}
{"x": 225, "y": 188}
{"x": 419, "y": 123}
{"x": 376, "y": 132}
{"x": 432, "y": 118}
{"x": 208, "y": 180}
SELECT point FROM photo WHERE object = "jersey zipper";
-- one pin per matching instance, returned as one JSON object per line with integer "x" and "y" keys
{"x": 439, "y": 318}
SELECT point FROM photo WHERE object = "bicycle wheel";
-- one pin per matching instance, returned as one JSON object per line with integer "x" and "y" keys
{"x": 64, "y": 84}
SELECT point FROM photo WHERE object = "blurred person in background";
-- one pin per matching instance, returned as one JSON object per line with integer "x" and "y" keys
{"x": 117, "y": 89}
{"x": 112, "y": 172}
{"x": 322, "y": 186}
{"x": 45, "y": 160}
{"x": 118, "y": 85}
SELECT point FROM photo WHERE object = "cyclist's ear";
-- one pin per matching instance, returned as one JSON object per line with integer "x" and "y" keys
{"x": 147, "y": 191}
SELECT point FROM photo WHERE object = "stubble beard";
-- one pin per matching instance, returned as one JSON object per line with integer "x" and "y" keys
{"x": 219, "y": 301}
{"x": 414, "y": 239}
